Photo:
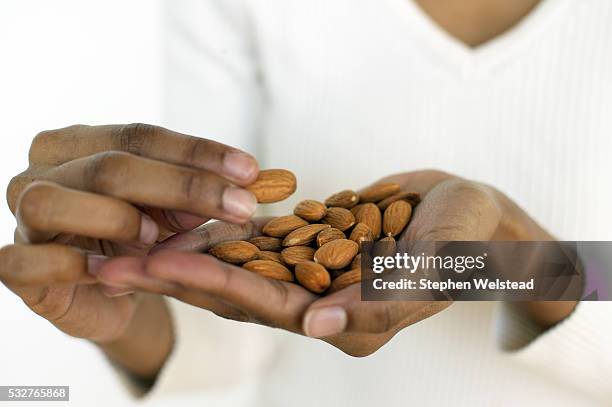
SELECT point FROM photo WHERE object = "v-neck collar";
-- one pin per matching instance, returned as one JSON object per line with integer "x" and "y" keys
{"x": 468, "y": 61}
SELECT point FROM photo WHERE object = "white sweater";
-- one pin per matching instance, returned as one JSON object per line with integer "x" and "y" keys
{"x": 344, "y": 92}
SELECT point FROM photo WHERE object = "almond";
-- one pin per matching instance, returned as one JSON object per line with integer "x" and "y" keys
{"x": 273, "y": 186}
{"x": 272, "y": 256}
{"x": 344, "y": 199}
{"x": 312, "y": 276}
{"x": 327, "y": 235}
{"x": 355, "y": 209}
{"x": 356, "y": 263}
{"x": 304, "y": 235}
{"x": 310, "y": 210}
{"x": 283, "y": 225}
{"x": 297, "y": 254}
{"x": 339, "y": 218}
{"x": 370, "y": 215}
{"x": 336, "y": 254}
{"x": 361, "y": 233}
{"x": 385, "y": 247}
{"x": 396, "y": 217}
{"x": 344, "y": 280}
{"x": 267, "y": 243}
{"x": 413, "y": 198}
{"x": 378, "y": 192}
{"x": 269, "y": 269}
{"x": 235, "y": 252}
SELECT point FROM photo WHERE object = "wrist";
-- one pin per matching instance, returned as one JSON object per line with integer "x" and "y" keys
{"x": 515, "y": 223}
{"x": 146, "y": 342}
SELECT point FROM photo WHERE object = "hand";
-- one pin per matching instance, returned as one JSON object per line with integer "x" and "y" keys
{"x": 452, "y": 209}
{"x": 201, "y": 280}
{"x": 92, "y": 192}
{"x": 237, "y": 294}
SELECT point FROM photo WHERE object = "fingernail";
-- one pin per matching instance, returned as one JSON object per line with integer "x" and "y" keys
{"x": 148, "y": 230}
{"x": 239, "y": 165}
{"x": 325, "y": 322}
{"x": 114, "y": 292}
{"x": 239, "y": 202}
{"x": 94, "y": 263}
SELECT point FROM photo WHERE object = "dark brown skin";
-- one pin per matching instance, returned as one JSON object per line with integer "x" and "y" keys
{"x": 452, "y": 209}
{"x": 114, "y": 190}
{"x": 475, "y": 22}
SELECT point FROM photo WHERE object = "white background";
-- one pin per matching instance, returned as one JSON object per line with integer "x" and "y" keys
{"x": 64, "y": 62}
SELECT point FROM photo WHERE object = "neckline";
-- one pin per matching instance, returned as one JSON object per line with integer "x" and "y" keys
{"x": 466, "y": 60}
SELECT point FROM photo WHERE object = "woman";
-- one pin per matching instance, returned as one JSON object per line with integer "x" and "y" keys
{"x": 510, "y": 95}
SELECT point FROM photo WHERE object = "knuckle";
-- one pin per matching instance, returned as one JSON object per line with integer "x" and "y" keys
{"x": 34, "y": 207}
{"x": 49, "y": 303}
{"x": 442, "y": 232}
{"x": 467, "y": 188}
{"x": 282, "y": 294}
{"x": 72, "y": 130}
{"x": 229, "y": 278}
{"x": 38, "y": 301}
{"x": 380, "y": 320}
{"x": 132, "y": 137}
{"x": 60, "y": 264}
{"x": 106, "y": 170}
{"x": 46, "y": 139}
{"x": 192, "y": 187}
{"x": 195, "y": 148}
{"x": 11, "y": 262}
{"x": 40, "y": 145}
{"x": 42, "y": 139}
{"x": 427, "y": 311}
{"x": 480, "y": 197}
{"x": 14, "y": 189}
{"x": 437, "y": 173}
{"x": 6, "y": 253}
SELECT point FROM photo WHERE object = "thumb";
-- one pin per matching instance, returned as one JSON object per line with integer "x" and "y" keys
{"x": 210, "y": 234}
{"x": 455, "y": 210}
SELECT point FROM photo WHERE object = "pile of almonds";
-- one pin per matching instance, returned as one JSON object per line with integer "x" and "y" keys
{"x": 319, "y": 244}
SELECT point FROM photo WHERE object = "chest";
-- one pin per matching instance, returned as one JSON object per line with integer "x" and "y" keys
{"x": 357, "y": 90}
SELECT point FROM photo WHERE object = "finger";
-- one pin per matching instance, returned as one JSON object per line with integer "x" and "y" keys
{"x": 46, "y": 209}
{"x": 418, "y": 181}
{"x": 344, "y": 312}
{"x": 211, "y": 234}
{"x": 124, "y": 275}
{"x": 153, "y": 183}
{"x": 23, "y": 267}
{"x": 56, "y": 147}
{"x": 455, "y": 210}
{"x": 266, "y": 301}
{"x": 175, "y": 221}
{"x": 128, "y": 274}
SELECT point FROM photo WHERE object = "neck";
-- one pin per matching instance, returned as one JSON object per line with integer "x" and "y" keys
{"x": 475, "y": 22}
